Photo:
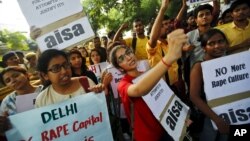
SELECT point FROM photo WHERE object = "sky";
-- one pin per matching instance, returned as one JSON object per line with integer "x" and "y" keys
{"x": 11, "y": 17}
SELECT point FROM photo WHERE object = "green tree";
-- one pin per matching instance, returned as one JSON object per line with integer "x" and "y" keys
{"x": 13, "y": 40}
{"x": 112, "y": 13}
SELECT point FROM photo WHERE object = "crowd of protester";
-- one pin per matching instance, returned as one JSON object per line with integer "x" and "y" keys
{"x": 174, "y": 49}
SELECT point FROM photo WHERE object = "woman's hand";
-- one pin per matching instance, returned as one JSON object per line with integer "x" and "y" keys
{"x": 222, "y": 126}
{"x": 176, "y": 40}
{"x": 97, "y": 88}
{"x": 107, "y": 78}
{"x": 35, "y": 32}
{"x": 4, "y": 124}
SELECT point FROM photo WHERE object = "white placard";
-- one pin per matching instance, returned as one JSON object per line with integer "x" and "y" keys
{"x": 227, "y": 87}
{"x": 81, "y": 118}
{"x": 168, "y": 109}
{"x": 117, "y": 76}
{"x": 191, "y": 2}
{"x": 97, "y": 69}
{"x": 40, "y": 13}
{"x": 227, "y": 75}
{"x": 67, "y": 35}
{"x": 25, "y": 102}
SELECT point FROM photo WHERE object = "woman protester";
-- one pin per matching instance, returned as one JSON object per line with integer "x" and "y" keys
{"x": 78, "y": 65}
{"x": 145, "y": 125}
{"x": 215, "y": 45}
{"x": 56, "y": 73}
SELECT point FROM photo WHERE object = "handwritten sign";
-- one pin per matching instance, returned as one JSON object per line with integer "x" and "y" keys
{"x": 25, "y": 102}
{"x": 168, "y": 109}
{"x": 226, "y": 83}
{"x": 40, "y": 13}
{"x": 191, "y": 2}
{"x": 62, "y": 22}
{"x": 97, "y": 69}
{"x": 82, "y": 118}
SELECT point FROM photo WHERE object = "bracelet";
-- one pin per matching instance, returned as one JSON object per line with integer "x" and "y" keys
{"x": 166, "y": 64}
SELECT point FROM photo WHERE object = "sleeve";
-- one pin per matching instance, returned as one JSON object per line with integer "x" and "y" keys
{"x": 8, "y": 105}
{"x": 123, "y": 90}
{"x": 150, "y": 51}
{"x": 128, "y": 42}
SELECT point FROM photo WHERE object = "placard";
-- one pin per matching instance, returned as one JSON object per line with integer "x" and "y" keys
{"x": 82, "y": 118}
{"x": 226, "y": 84}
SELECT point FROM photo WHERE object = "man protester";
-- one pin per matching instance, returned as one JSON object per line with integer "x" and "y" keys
{"x": 238, "y": 31}
{"x": 102, "y": 50}
{"x": 138, "y": 41}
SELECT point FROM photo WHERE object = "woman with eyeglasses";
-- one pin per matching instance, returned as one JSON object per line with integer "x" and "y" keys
{"x": 78, "y": 65}
{"x": 215, "y": 45}
{"x": 55, "y": 70}
{"x": 145, "y": 125}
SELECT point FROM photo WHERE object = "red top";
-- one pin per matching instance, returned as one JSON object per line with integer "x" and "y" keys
{"x": 146, "y": 126}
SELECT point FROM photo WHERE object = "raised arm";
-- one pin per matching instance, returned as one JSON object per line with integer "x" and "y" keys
{"x": 176, "y": 40}
{"x": 119, "y": 31}
{"x": 183, "y": 11}
{"x": 216, "y": 9}
{"x": 155, "y": 32}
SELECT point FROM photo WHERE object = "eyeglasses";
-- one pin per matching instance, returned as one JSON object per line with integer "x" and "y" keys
{"x": 57, "y": 68}
{"x": 128, "y": 52}
{"x": 221, "y": 41}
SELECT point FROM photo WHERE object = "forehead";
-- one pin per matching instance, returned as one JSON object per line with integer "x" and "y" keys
{"x": 74, "y": 55}
{"x": 166, "y": 21}
{"x": 216, "y": 37}
{"x": 204, "y": 11}
{"x": 94, "y": 52}
{"x": 57, "y": 60}
{"x": 120, "y": 51}
{"x": 10, "y": 72}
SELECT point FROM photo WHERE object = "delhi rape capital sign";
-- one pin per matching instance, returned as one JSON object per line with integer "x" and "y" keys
{"x": 82, "y": 118}
{"x": 63, "y": 23}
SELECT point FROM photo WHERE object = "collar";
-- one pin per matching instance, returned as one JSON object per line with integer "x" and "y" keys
{"x": 233, "y": 25}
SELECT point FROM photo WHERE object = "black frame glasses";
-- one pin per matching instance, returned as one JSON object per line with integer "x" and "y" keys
{"x": 58, "y": 67}
{"x": 129, "y": 52}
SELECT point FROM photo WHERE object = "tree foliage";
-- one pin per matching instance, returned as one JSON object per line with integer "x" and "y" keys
{"x": 112, "y": 13}
{"x": 14, "y": 40}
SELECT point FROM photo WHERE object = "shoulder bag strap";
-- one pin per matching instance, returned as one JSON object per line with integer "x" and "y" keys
{"x": 85, "y": 83}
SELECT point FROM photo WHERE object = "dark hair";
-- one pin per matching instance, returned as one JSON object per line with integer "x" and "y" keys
{"x": 111, "y": 46}
{"x": 75, "y": 51}
{"x": 43, "y": 62}
{"x": 202, "y": 7}
{"x": 237, "y": 3}
{"x": 112, "y": 55}
{"x": 137, "y": 20}
{"x": 18, "y": 52}
{"x": 98, "y": 51}
{"x": 211, "y": 32}
{"x": 84, "y": 48}
{"x": 166, "y": 17}
{"x": 190, "y": 14}
{"x": 7, "y": 55}
{"x": 96, "y": 37}
{"x": 111, "y": 34}
{"x": 11, "y": 68}
{"x": 223, "y": 15}
{"x": 46, "y": 56}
